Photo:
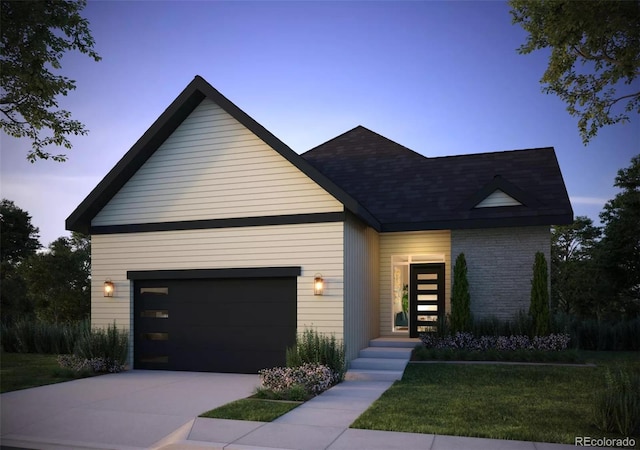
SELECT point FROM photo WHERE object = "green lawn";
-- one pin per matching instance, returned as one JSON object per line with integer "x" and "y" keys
{"x": 26, "y": 370}
{"x": 259, "y": 410}
{"x": 530, "y": 403}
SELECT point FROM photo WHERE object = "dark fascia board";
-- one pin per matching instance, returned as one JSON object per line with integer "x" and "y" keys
{"x": 558, "y": 219}
{"x": 169, "y": 120}
{"x": 194, "y": 274}
{"x": 290, "y": 219}
{"x": 505, "y": 186}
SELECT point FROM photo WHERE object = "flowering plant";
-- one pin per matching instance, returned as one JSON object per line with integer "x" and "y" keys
{"x": 314, "y": 378}
{"x": 98, "y": 365}
{"x": 466, "y": 341}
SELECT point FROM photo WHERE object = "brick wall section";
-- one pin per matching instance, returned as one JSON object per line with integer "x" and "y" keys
{"x": 500, "y": 266}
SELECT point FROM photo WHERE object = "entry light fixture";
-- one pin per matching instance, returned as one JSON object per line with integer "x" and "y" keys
{"x": 318, "y": 284}
{"x": 108, "y": 288}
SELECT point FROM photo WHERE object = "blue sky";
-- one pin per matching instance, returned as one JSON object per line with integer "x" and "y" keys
{"x": 442, "y": 78}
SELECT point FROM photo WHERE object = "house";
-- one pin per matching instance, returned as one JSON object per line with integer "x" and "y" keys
{"x": 215, "y": 239}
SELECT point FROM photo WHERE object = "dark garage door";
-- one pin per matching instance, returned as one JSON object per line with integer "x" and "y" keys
{"x": 238, "y": 325}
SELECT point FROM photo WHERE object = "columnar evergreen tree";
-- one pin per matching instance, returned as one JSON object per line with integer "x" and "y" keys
{"x": 460, "y": 298}
{"x": 539, "y": 308}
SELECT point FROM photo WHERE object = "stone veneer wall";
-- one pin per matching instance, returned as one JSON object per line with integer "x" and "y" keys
{"x": 500, "y": 266}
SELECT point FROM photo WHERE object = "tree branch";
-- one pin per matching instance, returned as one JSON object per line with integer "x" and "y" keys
{"x": 613, "y": 102}
{"x": 17, "y": 122}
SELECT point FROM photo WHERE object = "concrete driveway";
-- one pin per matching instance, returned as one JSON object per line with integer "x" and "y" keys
{"x": 134, "y": 409}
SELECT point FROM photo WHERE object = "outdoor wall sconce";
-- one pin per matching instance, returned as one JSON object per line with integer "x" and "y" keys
{"x": 108, "y": 288}
{"x": 318, "y": 284}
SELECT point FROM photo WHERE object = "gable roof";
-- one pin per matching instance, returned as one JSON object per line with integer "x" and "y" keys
{"x": 161, "y": 129}
{"x": 406, "y": 191}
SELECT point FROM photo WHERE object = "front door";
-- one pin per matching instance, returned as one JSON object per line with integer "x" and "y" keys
{"x": 426, "y": 297}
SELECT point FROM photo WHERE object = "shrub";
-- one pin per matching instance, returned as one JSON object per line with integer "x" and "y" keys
{"x": 105, "y": 349}
{"x": 314, "y": 348}
{"x": 589, "y": 334}
{"x": 30, "y": 336}
{"x": 617, "y": 405}
{"x": 539, "y": 308}
{"x": 460, "y": 299}
{"x": 286, "y": 382}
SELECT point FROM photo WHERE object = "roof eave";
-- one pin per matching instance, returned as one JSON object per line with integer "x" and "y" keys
{"x": 555, "y": 219}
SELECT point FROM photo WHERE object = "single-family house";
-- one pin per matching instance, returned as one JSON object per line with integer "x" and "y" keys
{"x": 214, "y": 243}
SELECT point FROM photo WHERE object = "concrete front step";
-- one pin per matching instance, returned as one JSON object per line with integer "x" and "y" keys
{"x": 373, "y": 375}
{"x": 385, "y": 352}
{"x": 395, "y": 342}
{"x": 379, "y": 364}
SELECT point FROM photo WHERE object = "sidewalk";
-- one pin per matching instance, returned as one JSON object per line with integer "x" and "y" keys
{"x": 323, "y": 423}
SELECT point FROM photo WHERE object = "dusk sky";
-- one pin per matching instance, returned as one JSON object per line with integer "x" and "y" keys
{"x": 442, "y": 78}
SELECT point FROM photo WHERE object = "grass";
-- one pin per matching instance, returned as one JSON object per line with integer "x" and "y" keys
{"x": 27, "y": 370}
{"x": 259, "y": 410}
{"x": 530, "y": 403}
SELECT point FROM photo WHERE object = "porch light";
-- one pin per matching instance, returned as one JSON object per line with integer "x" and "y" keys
{"x": 318, "y": 284}
{"x": 108, "y": 288}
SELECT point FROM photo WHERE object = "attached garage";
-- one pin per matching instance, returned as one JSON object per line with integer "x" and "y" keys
{"x": 219, "y": 320}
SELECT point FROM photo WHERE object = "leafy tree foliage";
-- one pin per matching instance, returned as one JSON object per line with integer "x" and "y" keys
{"x": 595, "y": 56}
{"x": 539, "y": 307}
{"x": 19, "y": 238}
{"x": 59, "y": 280}
{"x": 460, "y": 298}
{"x": 573, "y": 271}
{"x": 18, "y": 241}
{"x": 619, "y": 250}
{"x": 34, "y": 38}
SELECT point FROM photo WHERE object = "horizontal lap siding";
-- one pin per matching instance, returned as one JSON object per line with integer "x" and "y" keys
{"x": 314, "y": 247}
{"x": 410, "y": 243}
{"x": 212, "y": 167}
{"x": 361, "y": 253}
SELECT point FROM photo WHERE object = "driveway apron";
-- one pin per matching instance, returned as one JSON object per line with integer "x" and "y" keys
{"x": 133, "y": 409}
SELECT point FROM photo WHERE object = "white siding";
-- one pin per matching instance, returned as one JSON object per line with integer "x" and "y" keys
{"x": 361, "y": 286}
{"x": 410, "y": 243}
{"x": 314, "y": 247}
{"x": 498, "y": 198}
{"x": 212, "y": 167}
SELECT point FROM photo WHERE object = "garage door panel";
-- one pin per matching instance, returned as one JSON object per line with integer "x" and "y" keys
{"x": 221, "y": 325}
{"x": 254, "y": 314}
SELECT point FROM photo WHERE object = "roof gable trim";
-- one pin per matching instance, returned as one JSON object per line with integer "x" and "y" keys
{"x": 500, "y": 184}
{"x": 80, "y": 219}
{"x": 496, "y": 199}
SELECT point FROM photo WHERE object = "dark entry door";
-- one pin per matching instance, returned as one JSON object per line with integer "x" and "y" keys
{"x": 426, "y": 297}
{"x": 238, "y": 325}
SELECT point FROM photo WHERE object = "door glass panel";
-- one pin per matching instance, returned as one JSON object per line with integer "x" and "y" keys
{"x": 428, "y": 318}
{"x": 155, "y": 290}
{"x": 427, "y": 297}
{"x": 155, "y": 314}
{"x": 427, "y": 287}
{"x": 154, "y": 359}
{"x": 427, "y": 276}
{"x": 428, "y": 308}
{"x": 155, "y": 336}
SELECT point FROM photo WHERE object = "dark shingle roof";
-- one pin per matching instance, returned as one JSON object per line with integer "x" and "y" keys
{"x": 406, "y": 191}
{"x": 386, "y": 185}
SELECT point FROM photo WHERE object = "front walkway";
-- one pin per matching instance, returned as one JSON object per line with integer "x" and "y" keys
{"x": 323, "y": 423}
